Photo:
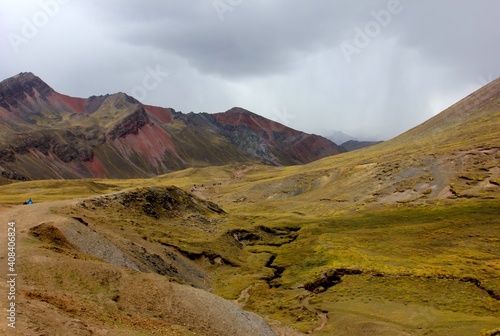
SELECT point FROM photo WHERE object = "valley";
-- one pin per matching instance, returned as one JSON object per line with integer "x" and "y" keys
{"x": 405, "y": 268}
{"x": 399, "y": 238}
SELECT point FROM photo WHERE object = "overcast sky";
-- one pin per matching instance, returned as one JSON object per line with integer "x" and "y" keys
{"x": 372, "y": 69}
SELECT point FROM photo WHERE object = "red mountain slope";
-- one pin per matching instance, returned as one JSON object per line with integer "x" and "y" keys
{"x": 49, "y": 135}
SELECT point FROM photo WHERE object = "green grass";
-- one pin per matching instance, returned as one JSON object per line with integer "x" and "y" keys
{"x": 56, "y": 190}
{"x": 422, "y": 252}
{"x": 422, "y": 248}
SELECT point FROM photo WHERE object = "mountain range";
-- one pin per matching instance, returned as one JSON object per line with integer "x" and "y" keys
{"x": 401, "y": 238}
{"x": 48, "y": 135}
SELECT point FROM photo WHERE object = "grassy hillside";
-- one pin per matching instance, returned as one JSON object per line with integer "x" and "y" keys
{"x": 420, "y": 268}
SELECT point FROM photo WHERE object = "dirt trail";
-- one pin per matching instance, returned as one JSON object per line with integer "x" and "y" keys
{"x": 321, "y": 315}
{"x": 25, "y": 217}
{"x": 242, "y": 300}
{"x": 238, "y": 174}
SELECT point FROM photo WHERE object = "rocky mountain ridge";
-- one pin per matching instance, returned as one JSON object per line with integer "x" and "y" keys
{"x": 48, "y": 135}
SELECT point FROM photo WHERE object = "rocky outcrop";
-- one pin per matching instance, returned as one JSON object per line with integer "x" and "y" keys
{"x": 12, "y": 175}
{"x": 68, "y": 153}
{"x": 67, "y": 147}
{"x": 93, "y": 103}
{"x": 129, "y": 125}
{"x": 7, "y": 155}
{"x": 159, "y": 202}
{"x": 41, "y": 142}
{"x": 329, "y": 279}
{"x": 14, "y": 90}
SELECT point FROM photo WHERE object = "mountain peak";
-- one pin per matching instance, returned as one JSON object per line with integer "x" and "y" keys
{"x": 23, "y": 83}
{"x": 237, "y": 109}
{"x": 25, "y": 75}
{"x": 274, "y": 142}
{"x": 240, "y": 116}
{"x": 125, "y": 98}
{"x": 28, "y": 80}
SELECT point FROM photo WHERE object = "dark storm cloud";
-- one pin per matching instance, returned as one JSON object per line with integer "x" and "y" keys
{"x": 252, "y": 38}
{"x": 372, "y": 68}
{"x": 263, "y": 37}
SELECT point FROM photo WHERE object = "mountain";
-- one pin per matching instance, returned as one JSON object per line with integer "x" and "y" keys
{"x": 255, "y": 133}
{"x": 455, "y": 154}
{"x": 339, "y": 137}
{"x": 348, "y": 142}
{"x": 48, "y": 135}
{"x": 473, "y": 121}
{"x": 354, "y": 144}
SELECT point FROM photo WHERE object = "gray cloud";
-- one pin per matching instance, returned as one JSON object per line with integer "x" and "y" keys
{"x": 282, "y": 59}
